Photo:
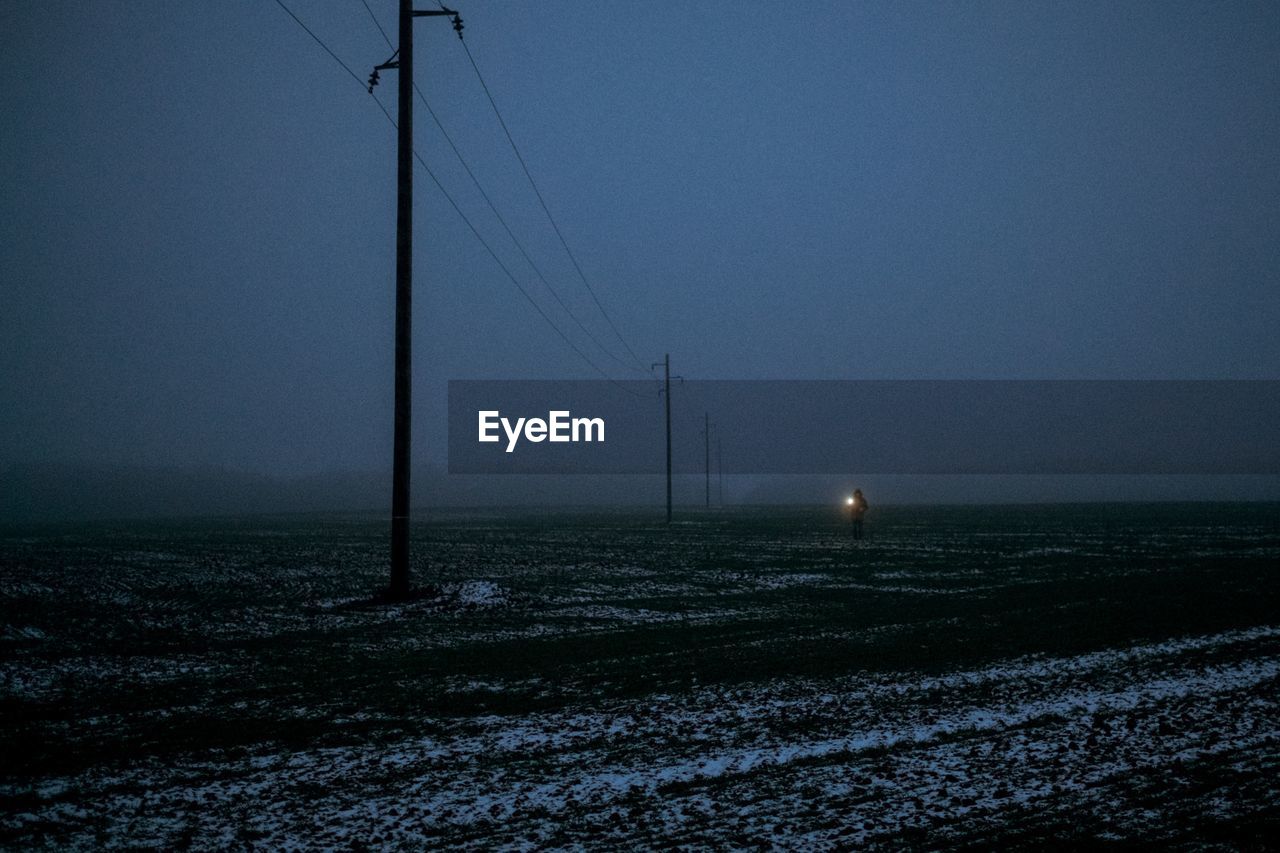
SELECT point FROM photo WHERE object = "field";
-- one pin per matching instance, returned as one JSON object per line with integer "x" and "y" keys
{"x": 965, "y": 677}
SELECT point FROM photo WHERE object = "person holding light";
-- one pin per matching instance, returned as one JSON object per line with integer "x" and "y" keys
{"x": 857, "y": 509}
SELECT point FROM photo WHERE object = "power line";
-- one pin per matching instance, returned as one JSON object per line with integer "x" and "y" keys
{"x": 498, "y": 215}
{"x": 523, "y": 165}
{"x": 385, "y": 37}
{"x": 515, "y": 240}
{"x": 458, "y": 209}
{"x": 307, "y": 29}
{"x": 498, "y": 261}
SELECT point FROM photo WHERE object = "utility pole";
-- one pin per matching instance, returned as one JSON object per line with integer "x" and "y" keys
{"x": 720, "y": 469}
{"x": 666, "y": 373}
{"x": 399, "y": 587}
{"x": 666, "y": 390}
{"x": 706, "y": 446}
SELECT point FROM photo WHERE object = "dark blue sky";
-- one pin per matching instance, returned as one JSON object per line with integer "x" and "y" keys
{"x": 197, "y": 235}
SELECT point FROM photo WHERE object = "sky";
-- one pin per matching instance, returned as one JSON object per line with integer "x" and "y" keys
{"x": 198, "y": 225}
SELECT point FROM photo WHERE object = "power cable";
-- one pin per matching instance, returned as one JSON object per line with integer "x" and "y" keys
{"x": 457, "y": 209}
{"x": 542, "y": 201}
{"x": 498, "y": 215}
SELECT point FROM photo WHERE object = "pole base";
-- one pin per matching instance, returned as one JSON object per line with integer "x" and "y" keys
{"x": 387, "y": 595}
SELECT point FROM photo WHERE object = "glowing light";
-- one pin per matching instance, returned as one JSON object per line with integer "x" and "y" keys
{"x": 849, "y": 501}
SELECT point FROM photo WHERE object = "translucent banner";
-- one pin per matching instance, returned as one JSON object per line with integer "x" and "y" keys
{"x": 866, "y": 427}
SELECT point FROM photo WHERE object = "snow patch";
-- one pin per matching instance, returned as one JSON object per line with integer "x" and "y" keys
{"x": 477, "y": 594}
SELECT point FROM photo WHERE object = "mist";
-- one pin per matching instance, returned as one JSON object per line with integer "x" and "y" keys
{"x": 197, "y": 239}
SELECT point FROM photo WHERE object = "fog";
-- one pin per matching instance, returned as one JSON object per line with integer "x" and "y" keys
{"x": 197, "y": 226}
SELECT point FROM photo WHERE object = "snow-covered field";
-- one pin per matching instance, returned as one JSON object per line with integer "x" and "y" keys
{"x": 964, "y": 677}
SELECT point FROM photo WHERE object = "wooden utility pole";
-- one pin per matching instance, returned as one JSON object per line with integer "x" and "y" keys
{"x": 399, "y": 587}
{"x": 666, "y": 372}
{"x": 719, "y": 469}
{"x": 706, "y": 446}
{"x": 404, "y": 313}
{"x": 666, "y": 392}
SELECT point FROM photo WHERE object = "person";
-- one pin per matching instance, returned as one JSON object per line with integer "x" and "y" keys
{"x": 858, "y": 510}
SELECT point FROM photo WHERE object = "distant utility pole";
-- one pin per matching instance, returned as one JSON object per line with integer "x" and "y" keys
{"x": 720, "y": 469}
{"x": 399, "y": 588}
{"x": 666, "y": 390}
{"x": 706, "y": 445}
